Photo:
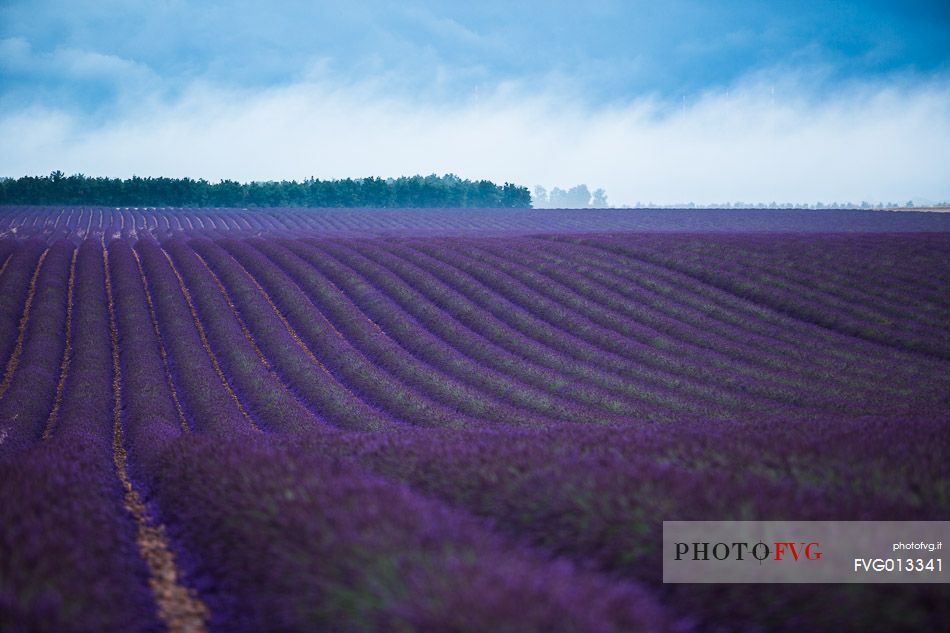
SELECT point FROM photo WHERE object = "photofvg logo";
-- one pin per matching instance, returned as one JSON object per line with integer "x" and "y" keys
{"x": 804, "y": 551}
{"x": 779, "y": 550}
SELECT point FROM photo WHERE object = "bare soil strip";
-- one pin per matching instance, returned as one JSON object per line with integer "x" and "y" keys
{"x": 205, "y": 343}
{"x": 234, "y": 311}
{"x": 179, "y": 607}
{"x": 21, "y": 331}
{"x": 161, "y": 345}
{"x": 290, "y": 328}
{"x": 67, "y": 350}
{"x": 5, "y": 262}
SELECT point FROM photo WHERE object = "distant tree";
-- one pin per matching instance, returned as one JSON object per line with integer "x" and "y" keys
{"x": 577, "y": 197}
{"x": 540, "y": 198}
{"x": 599, "y": 199}
{"x": 557, "y": 198}
{"x": 513, "y": 196}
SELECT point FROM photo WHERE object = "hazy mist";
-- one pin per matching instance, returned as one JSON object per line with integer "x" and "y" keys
{"x": 763, "y": 140}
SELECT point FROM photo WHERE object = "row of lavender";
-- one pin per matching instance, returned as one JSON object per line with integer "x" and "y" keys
{"x": 370, "y": 553}
{"x": 53, "y": 223}
{"x": 381, "y": 531}
{"x": 896, "y": 293}
{"x": 505, "y": 332}
{"x": 235, "y": 362}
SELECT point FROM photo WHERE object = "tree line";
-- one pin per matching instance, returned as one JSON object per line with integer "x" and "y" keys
{"x": 406, "y": 191}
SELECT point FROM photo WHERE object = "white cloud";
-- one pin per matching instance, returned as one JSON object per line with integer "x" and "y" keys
{"x": 869, "y": 142}
{"x": 72, "y": 64}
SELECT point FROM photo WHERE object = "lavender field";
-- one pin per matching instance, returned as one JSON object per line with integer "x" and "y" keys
{"x": 457, "y": 420}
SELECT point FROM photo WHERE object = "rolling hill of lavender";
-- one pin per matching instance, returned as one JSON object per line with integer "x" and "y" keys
{"x": 457, "y": 420}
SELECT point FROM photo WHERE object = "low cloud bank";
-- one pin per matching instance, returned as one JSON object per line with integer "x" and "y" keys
{"x": 760, "y": 141}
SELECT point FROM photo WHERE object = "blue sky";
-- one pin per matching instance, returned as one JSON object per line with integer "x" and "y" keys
{"x": 653, "y": 101}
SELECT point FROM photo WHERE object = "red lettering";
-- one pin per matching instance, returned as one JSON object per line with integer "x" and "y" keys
{"x": 809, "y": 550}
{"x": 780, "y": 547}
